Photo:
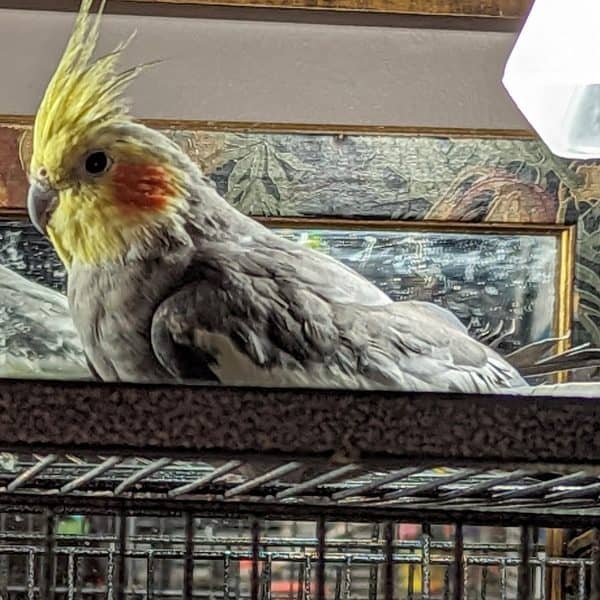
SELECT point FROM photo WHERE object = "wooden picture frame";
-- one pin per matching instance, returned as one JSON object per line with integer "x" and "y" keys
{"x": 504, "y": 9}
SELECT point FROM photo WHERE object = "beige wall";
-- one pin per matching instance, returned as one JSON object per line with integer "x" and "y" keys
{"x": 233, "y": 70}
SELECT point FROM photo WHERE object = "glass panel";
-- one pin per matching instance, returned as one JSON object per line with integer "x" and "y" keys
{"x": 491, "y": 282}
{"x": 503, "y": 287}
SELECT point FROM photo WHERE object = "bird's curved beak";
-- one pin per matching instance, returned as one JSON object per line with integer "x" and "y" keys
{"x": 41, "y": 202}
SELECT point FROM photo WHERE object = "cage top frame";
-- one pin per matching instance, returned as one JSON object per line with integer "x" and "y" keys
{"x": 393, "y": 428}
{"x": 550, "y": 442}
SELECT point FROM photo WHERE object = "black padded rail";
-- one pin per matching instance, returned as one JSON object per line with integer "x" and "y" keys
{"x": 339, "y": 426}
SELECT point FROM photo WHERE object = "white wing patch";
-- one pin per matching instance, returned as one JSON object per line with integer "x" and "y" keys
{"x": 236, "y": 368}
{"x": 233, "y": 367}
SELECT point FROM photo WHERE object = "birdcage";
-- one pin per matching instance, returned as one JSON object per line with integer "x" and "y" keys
{"x": 124, "y": 491}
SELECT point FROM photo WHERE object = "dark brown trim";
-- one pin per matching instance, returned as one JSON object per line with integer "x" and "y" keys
{"x": 442, "y": 226}
{"x": 504, "y": 9}
{"x": 501, "y": 9}
{"x": 13, "y": 214}
{"x": 483, "y": 15}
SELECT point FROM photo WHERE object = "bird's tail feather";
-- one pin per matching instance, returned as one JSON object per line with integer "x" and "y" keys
{"x": 538, "y": 359}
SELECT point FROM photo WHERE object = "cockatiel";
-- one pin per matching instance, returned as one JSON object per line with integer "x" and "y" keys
{"x": 168, "y": 282}
{"x": 37, "y": 337}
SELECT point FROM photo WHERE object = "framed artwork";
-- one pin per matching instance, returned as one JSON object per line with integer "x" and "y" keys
{"x": 466, "y": 219}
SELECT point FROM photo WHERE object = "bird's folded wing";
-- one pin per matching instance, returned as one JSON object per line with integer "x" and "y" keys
{"x": 250, "y": 330}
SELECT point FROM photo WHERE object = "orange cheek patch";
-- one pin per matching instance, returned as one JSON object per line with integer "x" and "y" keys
{"x": 142, "y": 187}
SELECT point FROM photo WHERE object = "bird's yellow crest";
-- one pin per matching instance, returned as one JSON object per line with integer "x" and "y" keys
{"x": 83, "y": 93}
{"x": 110, "y": 182}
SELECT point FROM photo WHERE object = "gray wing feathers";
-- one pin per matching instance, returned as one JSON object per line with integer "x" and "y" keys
{"x": 303, "y": 267}
{"x": 402, "y": 349}
{"x": 280, "y": 326}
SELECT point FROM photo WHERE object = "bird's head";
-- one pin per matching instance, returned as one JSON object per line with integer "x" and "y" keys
{"x": 100, "y": 184}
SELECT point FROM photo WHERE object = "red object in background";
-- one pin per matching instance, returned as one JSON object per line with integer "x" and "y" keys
{"x": 408, "y": 531}
{"x": 245, "y": 565}
{"x": 282, "y": 587}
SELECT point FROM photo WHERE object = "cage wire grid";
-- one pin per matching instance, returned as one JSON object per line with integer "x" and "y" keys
{"x": 322, "y": 569}
{"x": 132, "y": 494}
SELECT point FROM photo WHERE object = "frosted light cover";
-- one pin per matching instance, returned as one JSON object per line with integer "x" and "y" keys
{"x": 553, "y": 75}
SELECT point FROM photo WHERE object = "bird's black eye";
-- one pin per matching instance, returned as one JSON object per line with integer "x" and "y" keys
{"x": 97, "y": 163}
